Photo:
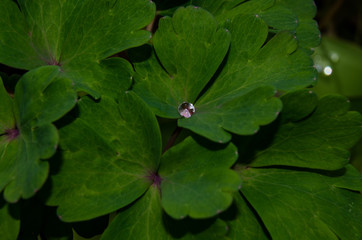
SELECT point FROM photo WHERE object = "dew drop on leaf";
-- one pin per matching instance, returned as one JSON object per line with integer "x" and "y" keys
{"x": 186, "y": 109}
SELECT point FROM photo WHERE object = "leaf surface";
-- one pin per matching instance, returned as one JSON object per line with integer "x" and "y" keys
{"x": 197, "y": 181}
{"x": 74, "y": 35}
{"x": 297, "y": 203}
{"x": 145, "y": 219}
{"x": 236, "y": 102}
{"x": 27, "y": 134}
{"x": 243, "y": 222}
{"x": 9, "y": 220}
{"x": 321, "y": 140}
{"x": 190, "y": 47}
{"x": 105, "y": 171}
{"x": 295, "y": 16}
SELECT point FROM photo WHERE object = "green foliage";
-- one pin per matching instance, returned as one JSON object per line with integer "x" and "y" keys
{"x": 86, "y": 145}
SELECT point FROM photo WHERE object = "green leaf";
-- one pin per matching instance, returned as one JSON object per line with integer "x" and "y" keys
{"x": 233, "y": 102}
{"x": 279, "y": 17}
{"x": 313, "y": 205}
{"x": 295, "y": 16}
{"x": 194, "y": 180}
{"x": 74, "y": 35}
{"x": 241, "y": 115}
{"x": 306, "y": 29}
{"x": 40, "y": 98}
{"x": 225, "y": 10}
{"x": 9, "y": 220}
{"x": 247, "y": 67}
{"x": 146, "y": 218}
{"x": 321, "y": 140}
{"x": 105, "y": 171}
{"x": 243, "y": 222}
{"x": 190, "y": 47}
{"x": 143, "y": 218}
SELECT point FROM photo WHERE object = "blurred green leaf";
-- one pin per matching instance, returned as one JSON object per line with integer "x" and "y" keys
{"x": 339, "y": 66}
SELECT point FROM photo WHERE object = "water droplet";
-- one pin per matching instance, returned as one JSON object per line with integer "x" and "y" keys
{"x": 310, "y": 92}
{"x": 186, "y": 109}
{"x": 256, "y": 15}
{"x": 327, "y": 70}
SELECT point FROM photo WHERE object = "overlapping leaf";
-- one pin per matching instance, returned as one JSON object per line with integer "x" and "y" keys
{"x": 230, "y": 103}
{"x": 106, "y": 171}
{"x": 242, "y": 221}
{"x": 197, "y": 181}
{"x": 236, "y": 102}
{"x": 75, "y": 35}
{"x": 110, "y": 168}
{"x": 146, "y": 218}
{"x": 295, "y": 16}
{"x": 26, "y": 132}
{"x": 313, "y": 205}
{"x": 190, "y": 47}
{"x": 320, "y": 140}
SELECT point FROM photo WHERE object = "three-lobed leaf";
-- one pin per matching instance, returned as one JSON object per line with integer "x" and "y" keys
{"x": 105, "y": 171}
{"x": 179, "y": 74}
{"x": 28, "y": 134}
{"x": 75, "y": 35}
{"x": 190, "y": 47}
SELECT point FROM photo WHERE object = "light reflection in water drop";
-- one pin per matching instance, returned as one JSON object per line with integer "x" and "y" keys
{"x": 186, "y": 109}
{"x": 327, "y": 70}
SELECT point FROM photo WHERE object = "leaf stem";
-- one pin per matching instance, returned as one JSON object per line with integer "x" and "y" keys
{"x": 172, "y": 139}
